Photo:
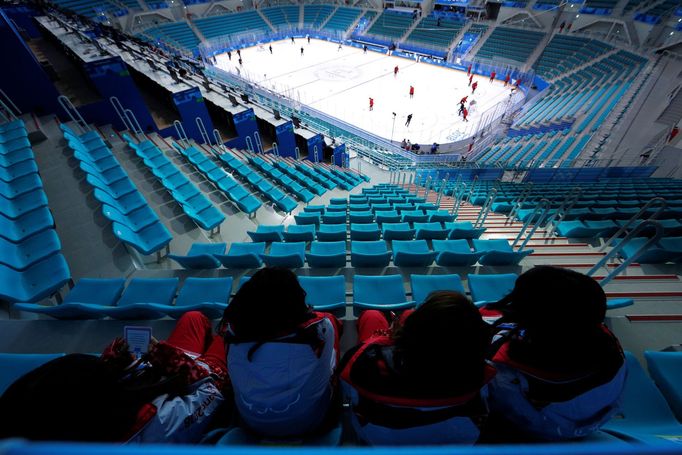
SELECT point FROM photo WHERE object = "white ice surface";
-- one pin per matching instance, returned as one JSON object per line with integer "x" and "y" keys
{"x": 340, "y": 82}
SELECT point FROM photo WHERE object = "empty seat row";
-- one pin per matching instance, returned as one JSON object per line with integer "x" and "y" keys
{"x": 235, "y": 192}
{"x": 31, "y": 264}
{"x": 300, "y": 191}
{"x": 193, "y": 202}
{"x": 133, "y": 221}
{"x": 367, "y": 253}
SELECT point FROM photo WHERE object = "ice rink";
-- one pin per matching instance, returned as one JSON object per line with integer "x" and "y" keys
{"x": 340, "y": 82}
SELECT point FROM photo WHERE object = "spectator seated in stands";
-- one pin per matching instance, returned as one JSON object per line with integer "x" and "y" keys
{"x": 560, "y": 371}
{"x": 281, "y": 357}
{"x": 171, "y": 394}
{"x": 421, "y": 380}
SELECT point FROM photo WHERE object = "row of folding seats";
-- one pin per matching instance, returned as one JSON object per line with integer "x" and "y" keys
{"x": 322, "y": 175}
{"x": 332, "y": 232}
{"x": 606, "y": 228}
{"x": 667, "y": 249}
{"x": 220, "y": 179}
{"x": 379, "y": 215}
{"x": 287, "y": 182}
{"x": 363, "y": 253}
{"x": 193, "y": 202}
{"x": 319, "y": 187}
{"x": 134, "y": 222}
{"x": 31, "y": 264}
{"x": 242, "y": 169}
{"x": 352, "y": 177}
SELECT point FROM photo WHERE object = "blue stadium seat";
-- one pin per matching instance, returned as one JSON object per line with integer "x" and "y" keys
{"x": 208, "y": 295}
{"x": 455, "y": 253}
{"x": 369, "y": 253}
{"x": 30, "y": 224}
{"x": 334, "y": 218}
{"x": 307, "y": 218}
{"x": 423, "y": 285}
{"x": 148, "y": 240}
{"x": 14, "y": 366}
{"x": 41, "y": 280}
{"x": 665, "y": 369}
{"x": 325, "y": 293}
{"x": 144, "y": 298}
{"x": 414, "y": 216}
{"x": 20, "y": 256}
{"x": 463, "y": 230}
{"x": 440, "y": 216}
{"x": 20, "y": 205}
{"x": 327, "y": 254}
{"x": 384, "y": 293}
{"x": 412, "y": 253}
{"x": 84, "y": 301}
{"x": 365, "y": 216}
{"x": 429, "y": 231}
{"x": 267, "y": 233}
{"x": 200, "y": 256}
{"x": 388, "y": 216}
{"x": 332, "y": 232}
{"x": 21, "y": 185}
{"x": 365, "y": 231}
{"x": 136, "y": 220}
{"x": 498, "y": 252}
{"x": 300, "y": 233}
{"x": 243, "y": 255}
{"x": 397, "y": 231}
{"x": 290, "y": 255}
{"x": 644, "y": 416}
{"x": 490, "y": 288}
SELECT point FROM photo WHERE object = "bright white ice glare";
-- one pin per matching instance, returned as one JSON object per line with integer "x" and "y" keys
{"x": 339, "y": 82}
{"x": 459, "y": 61}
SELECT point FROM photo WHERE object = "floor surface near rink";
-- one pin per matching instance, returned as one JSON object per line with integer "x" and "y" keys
{"x": 340, "y": 82}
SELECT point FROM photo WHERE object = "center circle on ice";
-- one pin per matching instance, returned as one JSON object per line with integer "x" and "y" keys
{"x": 335, "y": 73}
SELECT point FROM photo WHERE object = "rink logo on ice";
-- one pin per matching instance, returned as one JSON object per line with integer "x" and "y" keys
{"x": 335, "y": 73}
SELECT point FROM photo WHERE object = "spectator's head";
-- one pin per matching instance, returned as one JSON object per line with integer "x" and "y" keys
{"x": 270, "y": 304}
{"x": 550, "y": 302}
{"x": 73, "y": 398}
{"x": 445, "y": 339}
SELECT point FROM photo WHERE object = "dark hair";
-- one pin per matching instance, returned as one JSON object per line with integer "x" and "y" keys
{"x": 550, "y": 300}
{"x": 444, "y": 342}
{"x": 72, "y": 398}
{"x": 559, "y": 314}
{"x": 270, "y": 304}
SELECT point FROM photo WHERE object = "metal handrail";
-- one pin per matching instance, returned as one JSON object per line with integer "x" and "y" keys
{"x": 440, "y": 192}
{"x": 427, "y": 187}
{"x": 563, "y": 210}
{"x": 130, "y": 115}
{"x": 73, "y": 113}
{"x": 120, "y": 111}
{"x": 637, "y": 216}
{"x": 275, "y": 148}
{"x": 180, "y": 131}
{"x": 632, "y": 258}
{"x": 249, "y": 144}
{"x": 202, "y": 130}
{"x": 218, "y": 139}
{"x": 459, "y": 193}
{"x": 483, "y": 214}
{"x": 297, "y": 152}
{"x": 525, "y": 193}
{"x": 541, "y": 209}
{"x": 12, "y": 110}
{"x": 259, "y": 144}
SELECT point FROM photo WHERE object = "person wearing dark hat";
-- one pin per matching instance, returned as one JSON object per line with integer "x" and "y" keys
{"x": 561, "y": 372}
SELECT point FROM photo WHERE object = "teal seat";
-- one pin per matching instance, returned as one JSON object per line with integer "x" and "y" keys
{"x": 430, "y": 231}
{"x": 327, "y": 254}
{"x": 302, "y": 233}
{"x": 325, "y": 293}
{"x": 455, "y": 253}
{"x": 144, "y": 298}
{"x": 665, "y": 369}
{"x": 331, "y": 232}
{"x": 200, "y": 256}
{"x": 383, "y": 293}
{"x": 267, "y": 233}
{"x": 423, "y": 285}
{"x": 463, "y": 230}
{"x": 35, "y": 283}
{"x": 243, "y": 255}
{"x": 412, "y": 253}
{"x": 644, "y": 416}
{"x": 84, "y": 301}
{"x": 365, "y": 231}
{"x": 397, "y": 231}
{"x": 307, "y": 218}
{"x": 207, "y": 295}
{"x": 288, "y": 255}
{"x": 369, "y": 254}
{"x": 498, "y": 252}
{"x": 486, "y": 289}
